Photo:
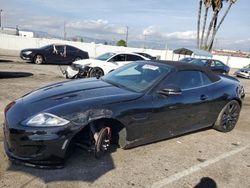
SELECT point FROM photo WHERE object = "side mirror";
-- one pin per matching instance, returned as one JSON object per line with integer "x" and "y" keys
{"x": 170, "y": 90}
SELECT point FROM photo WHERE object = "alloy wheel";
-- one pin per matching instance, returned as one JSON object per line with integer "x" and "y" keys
{"x": 230, "y": 116}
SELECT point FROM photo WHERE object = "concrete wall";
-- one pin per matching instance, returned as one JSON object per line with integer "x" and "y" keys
{"x": 9, "y": 42}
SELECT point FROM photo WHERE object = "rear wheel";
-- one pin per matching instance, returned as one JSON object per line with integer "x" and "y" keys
{"x": 96, "y": 72}
{"x": 38, "y": 59}
{"x": 228, "y": 117}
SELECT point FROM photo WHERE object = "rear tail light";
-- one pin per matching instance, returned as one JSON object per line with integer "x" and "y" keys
{"x": 9, "y": 106}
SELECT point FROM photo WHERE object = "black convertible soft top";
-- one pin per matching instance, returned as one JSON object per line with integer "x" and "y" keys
{"x": 187, "y": 66}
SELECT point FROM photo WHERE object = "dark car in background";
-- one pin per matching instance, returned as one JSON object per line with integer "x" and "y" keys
{"x": 187, "y": 59}
{"x": 244, "y": 72}
{"x": 136, "y": 104}
{"x": 215, "y": 65}
{"x": 54, "y": 54}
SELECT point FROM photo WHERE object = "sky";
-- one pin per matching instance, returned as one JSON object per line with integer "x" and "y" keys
{"x": 151, "y": 23}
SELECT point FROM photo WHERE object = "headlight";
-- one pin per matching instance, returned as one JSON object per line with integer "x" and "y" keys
{"x": 241, "y": 91}
{"x": 27, "y": 52}
{"x": 76, "y": 66}
{"x": 80, "y": 66}
{"x": 45, "y": 119}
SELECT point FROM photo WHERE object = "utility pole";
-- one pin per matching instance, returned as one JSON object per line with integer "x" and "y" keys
{"x": 1, "y": 18}
{"x": 127, "y": 35}
{"x": 64, "y": 30}
{"x": 144, "y": 41}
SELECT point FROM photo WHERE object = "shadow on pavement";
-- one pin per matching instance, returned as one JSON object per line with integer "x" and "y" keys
{"x": 5, "y": 61}
{"x": 81, "y": 166}
{"x": 206, "y": 182}
{"x": 14, "y": 74}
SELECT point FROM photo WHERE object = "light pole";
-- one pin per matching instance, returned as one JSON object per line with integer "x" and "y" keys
{"x": 1, "y": 18}
{"x": 64, "y": 31}
{"x": 127, "y": 35}
{"x": 145, "y": 40}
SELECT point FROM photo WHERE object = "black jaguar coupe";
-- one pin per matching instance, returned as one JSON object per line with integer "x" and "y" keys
{"x": 139, "y": 103}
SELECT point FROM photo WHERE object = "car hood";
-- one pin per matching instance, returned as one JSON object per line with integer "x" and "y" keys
{"x": 86, "y": 62}
{"x": 82, "y": 93}
{"x": 29, "y": 49}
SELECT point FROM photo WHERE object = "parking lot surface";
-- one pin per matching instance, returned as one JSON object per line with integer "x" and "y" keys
{"x": 202, "y": 158}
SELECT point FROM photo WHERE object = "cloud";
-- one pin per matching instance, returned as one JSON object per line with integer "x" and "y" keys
{"x": 186, "y": 35}
{"x": 246, "y": 41}
{"x": 43, "y": 22}
{"x": 154, "y": 31}
{"x": 99, "y": 26}
{"x": 55, "y": 25}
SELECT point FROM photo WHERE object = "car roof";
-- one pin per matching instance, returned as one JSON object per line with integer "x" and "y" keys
{"x": 206, "y": 59}
{"x": 142, "y": 53}
{"x": 59, "y": 44}
{"x": 180, "y": 66}
{"x": 130, "y": 53}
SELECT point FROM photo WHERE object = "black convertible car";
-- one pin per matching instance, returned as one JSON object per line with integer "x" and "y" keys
{"x": 54, "y": 54}
{"x": 139, "y": 103}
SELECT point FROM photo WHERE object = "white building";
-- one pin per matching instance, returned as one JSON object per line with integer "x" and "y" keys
{"x": 26, "y": 34}
{"x": 17, "y": 32}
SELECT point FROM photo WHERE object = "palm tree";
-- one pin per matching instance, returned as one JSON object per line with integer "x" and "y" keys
{"x": 198, "y": 24}
{"x": 217, "y": 5}
{"x": 215, "y": 23}
{"x": 222, "y": 19}
{"x": 208, "y": 4}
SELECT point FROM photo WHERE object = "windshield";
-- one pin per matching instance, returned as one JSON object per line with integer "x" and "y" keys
{"x": 47, "y": 46}
{"x": 105, "y": 57}
{"x": 198, "y": 62}
{"x": 138, "y": 76}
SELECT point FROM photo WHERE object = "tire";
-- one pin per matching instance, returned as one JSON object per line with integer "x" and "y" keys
{"x": 38, "y": 59}
{"x": 77, "y": 59}
{"x": 96, "y": 72}
{"x": 228, "y": 117}
{"x": 102, "y": 143}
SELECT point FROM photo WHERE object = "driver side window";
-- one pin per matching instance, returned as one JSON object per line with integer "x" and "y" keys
{"x": 49, "y": 49}
{"x": 218, "y": 64}
{"x": 188, "y": 79}
{"x": 120, "y": 57}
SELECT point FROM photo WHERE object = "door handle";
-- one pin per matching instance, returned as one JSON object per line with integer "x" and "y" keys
{"x": 203, "y": 97}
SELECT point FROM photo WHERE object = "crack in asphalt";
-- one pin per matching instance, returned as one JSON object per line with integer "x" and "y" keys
{"x": 195, "y": 168}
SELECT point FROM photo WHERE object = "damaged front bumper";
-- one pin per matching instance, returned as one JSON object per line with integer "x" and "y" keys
{"x": 77, "y": 71}
{"x": 37, "y": 148}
